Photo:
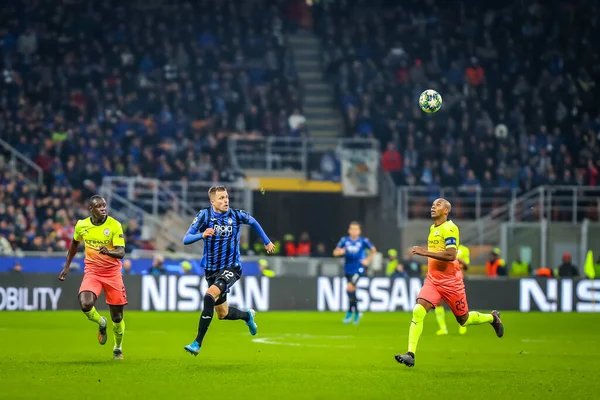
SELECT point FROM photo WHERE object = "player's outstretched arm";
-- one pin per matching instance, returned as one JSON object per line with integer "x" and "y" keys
{"x": 446, "y": 255}
{"x": 192, "y": 236}
{"x": 70, "y": 255}
{"x": 373, "y": 251}
{"x": 366, "y": 261}
{"x": 258, "y": 229}
{"x": 339, "y": 250}
{"x": 118, "y": 252}
{"x": 198, "y": 229}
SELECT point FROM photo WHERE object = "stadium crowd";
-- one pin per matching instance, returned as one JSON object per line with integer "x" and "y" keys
{"x": 110, "y": 88}
{"x": 42, "y": 219}
{"x": 96, "y": 89}
{"x": 519, "y": 83}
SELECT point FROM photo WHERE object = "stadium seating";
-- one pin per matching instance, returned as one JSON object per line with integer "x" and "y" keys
{"x": 128, "y": 89}
{"x": 518, "y": 110}
{"x": 157, "y": 93}
{"x": 34, "y": 220}
{"x": 125, "y": 89}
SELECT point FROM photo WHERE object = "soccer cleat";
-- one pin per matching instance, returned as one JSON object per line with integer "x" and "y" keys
{"x": 462, "y": 330}
{"x": 407, "y": 359}
{"x": 102, "y": 336}
{"x": 348, "y": 318}
{"x": 117, "y": 354}
{"x": 497, "y": 324}
{"x": 357, "y": 318}
{"x": 442, "y": 332}
{"x": 193, "y": 348}
{"x": 252, "y": 327}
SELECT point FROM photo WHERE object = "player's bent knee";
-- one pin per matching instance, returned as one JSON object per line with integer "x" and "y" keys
{"x": 425, "y": 304}
{"x": 86, "y": 304}
{"x": 419, "y": 311}
{"x": 209, "y": 300}
{"x": 116, "y": 313}
{"x": 216, "y": 289}
{"x": 86, "y": 300}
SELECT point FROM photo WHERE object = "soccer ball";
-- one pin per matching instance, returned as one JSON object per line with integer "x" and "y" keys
{"x": 430, "y": 101}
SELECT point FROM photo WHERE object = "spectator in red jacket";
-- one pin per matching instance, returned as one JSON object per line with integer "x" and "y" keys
{"x": 475, "y": 73}
{"x": 289, "y": 247}
{"x": 391, "y": 161}
{"x": 304, "y": 245}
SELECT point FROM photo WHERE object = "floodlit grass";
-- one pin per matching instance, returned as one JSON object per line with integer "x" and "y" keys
{"x": 298, "y": 355}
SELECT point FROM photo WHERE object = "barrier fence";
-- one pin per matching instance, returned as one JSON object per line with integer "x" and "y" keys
{"x": 43, "y": 292}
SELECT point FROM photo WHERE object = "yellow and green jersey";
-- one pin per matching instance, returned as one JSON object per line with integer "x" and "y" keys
{"x": 110, "y": 235}
{"x": 464, "y": 254}
{"x": 442, "y": 237}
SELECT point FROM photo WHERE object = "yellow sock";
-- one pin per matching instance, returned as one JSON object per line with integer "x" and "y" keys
{"x": 119, "y": 330}
{"x": 477, "y": 318}
{"x": 94, "y": 316}
{"x": 416, "y": 327}
{"x": 440, "y": 316}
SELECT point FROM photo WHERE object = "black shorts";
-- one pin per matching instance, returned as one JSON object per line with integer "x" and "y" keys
{"x": 353, "y": 278}
{"x": 228, "y": 276}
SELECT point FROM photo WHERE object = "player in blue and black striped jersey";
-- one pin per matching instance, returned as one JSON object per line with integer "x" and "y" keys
{"x": 354, "y": 249}
{"x": 219, "y": 227}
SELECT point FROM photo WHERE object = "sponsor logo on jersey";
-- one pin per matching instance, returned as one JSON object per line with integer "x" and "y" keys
{"x": 223, "y": 230}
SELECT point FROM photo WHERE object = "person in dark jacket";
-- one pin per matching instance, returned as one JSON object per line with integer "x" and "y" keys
{"x": 567, "y": 269}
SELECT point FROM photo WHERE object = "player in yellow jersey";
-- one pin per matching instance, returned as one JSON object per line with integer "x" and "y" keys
{"x": 463, "y": 256}
{"x": 104, "y": 248}
{"x": 444, "y": 282}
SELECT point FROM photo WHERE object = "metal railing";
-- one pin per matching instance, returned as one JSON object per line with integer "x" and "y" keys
{"x": 539, "y": 220}
{"x": 18, "y": 162}
{"x": 572, "y": 203}
{"x": 543, "y": 244}
{"x": 415, "y": 202}
{"x": 487, "y": 229}
{"x": 124, "y": 210}
{"x": 553, "y": 203}
{"x": 312, "y": 157}
{"x": 157, "y": 197}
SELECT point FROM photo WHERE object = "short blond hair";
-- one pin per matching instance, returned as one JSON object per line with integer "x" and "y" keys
{"x": 214, "y": 189}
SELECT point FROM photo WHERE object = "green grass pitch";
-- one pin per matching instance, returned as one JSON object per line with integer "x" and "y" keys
{"x": 298, "y": 355}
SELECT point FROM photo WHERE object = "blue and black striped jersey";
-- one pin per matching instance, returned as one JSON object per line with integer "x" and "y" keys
{"x": 223, "y": 249}
{"x": 355, "y": 252}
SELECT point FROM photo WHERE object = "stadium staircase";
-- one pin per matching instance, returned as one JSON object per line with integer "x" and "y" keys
{"x": 322, "y": 117}
{"x": 176, "y": 223}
